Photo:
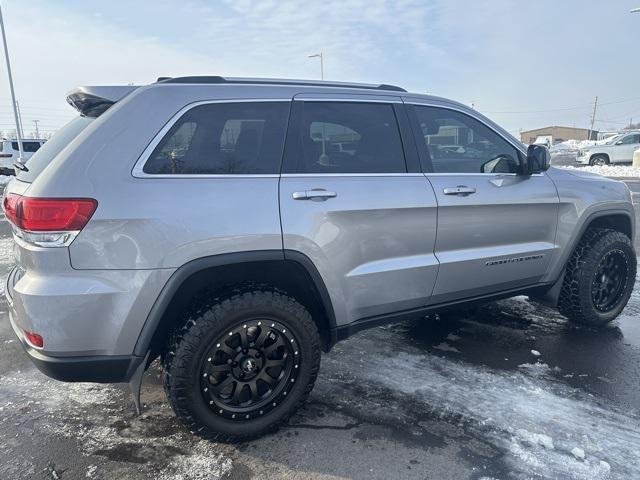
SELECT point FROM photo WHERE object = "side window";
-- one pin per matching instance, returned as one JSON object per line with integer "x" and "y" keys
{"x": 630, "y": 139}
{"x": 457, "y": 143}
{"x": 343, "y": 137}
{"x": 223, "y": 138}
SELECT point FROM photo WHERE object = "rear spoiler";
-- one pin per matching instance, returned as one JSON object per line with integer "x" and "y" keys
{"x": 93, "y": 101}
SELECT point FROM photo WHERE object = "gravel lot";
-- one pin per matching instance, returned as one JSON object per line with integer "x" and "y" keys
{"x": 507, "y": 392}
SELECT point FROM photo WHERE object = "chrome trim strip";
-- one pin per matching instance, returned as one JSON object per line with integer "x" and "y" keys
{"x": 307, "y": 175}
{"x": 348, "y": 99}
{"x": 138, "y": 168}
{"x": 482, "y": 175}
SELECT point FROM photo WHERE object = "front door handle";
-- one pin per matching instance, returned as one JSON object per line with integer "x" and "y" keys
{"x": 461, "y": 190}
{"x": 319, "y": 194}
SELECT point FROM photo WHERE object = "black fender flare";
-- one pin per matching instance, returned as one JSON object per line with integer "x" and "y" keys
{"x": 172, "y": 285}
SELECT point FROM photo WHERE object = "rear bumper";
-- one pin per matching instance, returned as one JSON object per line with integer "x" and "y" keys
{"x": 92, "y": 368}
{"x": 98, "y": 369}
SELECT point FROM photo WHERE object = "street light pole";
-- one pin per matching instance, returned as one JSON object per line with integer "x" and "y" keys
{"x": 321, "y": 57}
{"x": 13, "y": 94}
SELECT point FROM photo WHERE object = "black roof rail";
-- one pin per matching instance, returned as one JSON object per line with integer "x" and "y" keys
{"x": 275, "y": 81}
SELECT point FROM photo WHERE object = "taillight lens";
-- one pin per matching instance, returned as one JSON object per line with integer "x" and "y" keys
{"x": 48, "y": 214}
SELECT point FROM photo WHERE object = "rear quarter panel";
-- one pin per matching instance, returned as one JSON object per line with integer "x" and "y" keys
{"x": 146, "y": 223}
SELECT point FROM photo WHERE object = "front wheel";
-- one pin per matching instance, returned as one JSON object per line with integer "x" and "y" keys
{"x": 599, "y": 278}
{"x": 599, "y": 160}
{"x": 242, "y": 366}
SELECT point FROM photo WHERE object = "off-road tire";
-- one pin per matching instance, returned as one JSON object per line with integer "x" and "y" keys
{"x": 188, "y": 346}
{"x": 595, "y": 158}
{"x": 576, "y": 300}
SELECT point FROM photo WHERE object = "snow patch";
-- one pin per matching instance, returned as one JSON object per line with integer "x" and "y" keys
{"x": 619, "y": 171}
{"x": 4, "y": 179}
{"x": 445, "y": 347}
{"x": 100, "y": 419}
{"x": 535, "y": 353}
{"x": 578, "y": 453}
{"x": 533, "y": 418}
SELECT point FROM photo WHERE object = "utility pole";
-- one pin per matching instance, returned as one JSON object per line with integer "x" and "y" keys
{"x": 593, "y": 117}
{"x": 37, "y": 131}
{"x": 13, "y": 94}
{"x": 321, "y": 57}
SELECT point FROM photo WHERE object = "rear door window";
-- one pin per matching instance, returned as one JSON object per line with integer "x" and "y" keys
{"x": 222, "y": 139}
{"x": 344, "y": 137}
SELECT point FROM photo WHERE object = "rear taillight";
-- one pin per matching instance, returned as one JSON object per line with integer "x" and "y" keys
{"x": 34, "y": 339}
{"x": 48, "y": 221}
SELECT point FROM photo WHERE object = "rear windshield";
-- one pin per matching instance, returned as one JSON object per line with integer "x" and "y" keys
{"x": 53, "y": 147}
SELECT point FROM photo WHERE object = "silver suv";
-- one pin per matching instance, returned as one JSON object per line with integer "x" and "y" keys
{"x": 236, "y": 228}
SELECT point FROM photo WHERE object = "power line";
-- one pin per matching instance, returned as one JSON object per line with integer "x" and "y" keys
{"x": 561, "y": 109}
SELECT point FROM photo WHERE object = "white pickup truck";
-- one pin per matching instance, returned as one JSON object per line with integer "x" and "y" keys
{"x": 618, "y": 150}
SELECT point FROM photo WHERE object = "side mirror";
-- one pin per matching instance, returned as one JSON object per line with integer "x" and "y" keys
{"x": 619, "y": 142}
{"x": 538, "y": 159}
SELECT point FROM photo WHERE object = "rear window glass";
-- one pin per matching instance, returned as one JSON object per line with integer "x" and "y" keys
{"x": 223, "y": 138}
{"x": 53, "y": 147}
{"x": 27, "y": 147}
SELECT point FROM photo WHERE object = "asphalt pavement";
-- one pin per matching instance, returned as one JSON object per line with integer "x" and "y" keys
{"x": 508, "y": 391}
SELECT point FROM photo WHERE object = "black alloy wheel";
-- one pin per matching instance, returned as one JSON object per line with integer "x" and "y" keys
{"x": 609, "y": 280}
{"x": 249, "y": 369}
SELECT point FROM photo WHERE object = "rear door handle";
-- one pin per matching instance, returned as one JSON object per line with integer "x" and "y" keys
{"x": 319, "y": 194}
{"x": 461, "y": 190}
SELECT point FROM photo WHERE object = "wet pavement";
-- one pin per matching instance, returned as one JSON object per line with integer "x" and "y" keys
{"x": 507, "y": 391}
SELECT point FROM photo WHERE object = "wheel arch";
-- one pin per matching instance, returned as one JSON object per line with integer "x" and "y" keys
{"x": 616, "y": 219}
{"x": 294, "y": 273}
{"x": 600, "y": 154}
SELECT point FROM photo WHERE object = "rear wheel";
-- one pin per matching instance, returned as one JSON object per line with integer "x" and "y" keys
{"x": 599, "y": 278}
{"x": 599, "y": 160}
{"x": 242, "y": 366}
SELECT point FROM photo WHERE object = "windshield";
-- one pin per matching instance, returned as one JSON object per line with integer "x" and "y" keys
{"x": 613, "y": 139}
{"x": 53, "y": 147}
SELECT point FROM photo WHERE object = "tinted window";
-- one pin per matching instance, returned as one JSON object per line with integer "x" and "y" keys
{"x": 341, "y": 137}
{"x": 223, "y": 138}
{"x": 457, "y": 143}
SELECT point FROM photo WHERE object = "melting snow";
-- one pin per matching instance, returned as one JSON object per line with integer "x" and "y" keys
{"x": 620, "y": 171}
{"x": 536, "y": 421}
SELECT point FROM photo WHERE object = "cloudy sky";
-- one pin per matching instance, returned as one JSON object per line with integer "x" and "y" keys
{"x": 524, "y": 64}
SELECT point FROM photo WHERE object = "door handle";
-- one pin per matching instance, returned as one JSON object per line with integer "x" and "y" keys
{"x": 461, "y": 190}
{"x": 319, "y": 194}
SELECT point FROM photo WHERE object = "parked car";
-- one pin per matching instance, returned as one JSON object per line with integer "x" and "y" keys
{"x": 220, "y": 225}
{"x": 9, "y": 153}
{"x": 617, "y": 150}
